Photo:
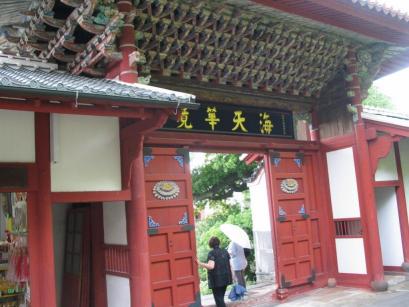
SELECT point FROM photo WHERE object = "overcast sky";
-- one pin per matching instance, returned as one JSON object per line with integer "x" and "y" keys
{"x": 396, "y": 85}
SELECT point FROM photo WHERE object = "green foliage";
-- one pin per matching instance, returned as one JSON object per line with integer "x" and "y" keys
{"x": 219, "y": 178}
{"x": 377, "y": 99}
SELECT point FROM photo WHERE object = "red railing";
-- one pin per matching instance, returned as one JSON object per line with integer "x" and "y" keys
{"x": 116, "y": 260}
{"x": 348, "y": 228}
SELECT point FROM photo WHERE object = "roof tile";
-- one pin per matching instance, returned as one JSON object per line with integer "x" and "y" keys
{"x": 12, "y": 76}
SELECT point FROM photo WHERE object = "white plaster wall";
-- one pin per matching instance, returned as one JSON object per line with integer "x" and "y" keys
{"x": 59, "y": 225}
{"x": 259, "y": 203}
{"x": 404, "y": 157}
{"x": 343, "y": 183}
{"x": 17, "y": 142}
{"x": 351, "y": 255}
{"x": 263, "y": 247}
{"x": 387, "y": 168}
{"x": 118, "y": 291}
{"x": 86, "y": 153}
{"x": 115, "y": 223}
{"x": 389, "y": 227}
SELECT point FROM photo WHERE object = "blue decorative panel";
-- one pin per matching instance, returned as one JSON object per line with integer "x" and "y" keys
{"x": 276, "y": 161}
{"x": 147, "y": 159}
{"x": 180, "y": 159}
{"x": 184, "y": 220}
{"x": 281, "y": 212}
{"x": 302, "y": 210}
{"x": 298, "y": 162}
{"x": 152, "y": 223}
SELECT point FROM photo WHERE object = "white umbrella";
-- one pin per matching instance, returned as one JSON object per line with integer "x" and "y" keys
{"x": 236, "y": 234}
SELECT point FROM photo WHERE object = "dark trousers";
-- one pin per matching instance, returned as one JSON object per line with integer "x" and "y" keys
{"x": 218, "y": 294}
{"x": 239, "y": 278}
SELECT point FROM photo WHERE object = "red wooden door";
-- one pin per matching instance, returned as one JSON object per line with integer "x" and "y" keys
{"x": 170, "y": 225}
{"x": 77, "y": 259}
{"x": 291, "y": 187}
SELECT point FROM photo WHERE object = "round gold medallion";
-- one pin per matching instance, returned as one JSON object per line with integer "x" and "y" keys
{"x": 166, "y": 190}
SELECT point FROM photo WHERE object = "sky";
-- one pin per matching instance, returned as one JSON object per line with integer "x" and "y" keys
{"x": 395, "y": 85}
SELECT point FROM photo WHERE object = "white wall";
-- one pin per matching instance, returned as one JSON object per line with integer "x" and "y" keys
{"x": 404, "y": 157}
{"x": 263, "y": 246}
{"x": 389, "y": 227}
{"x": 115, "y": 223}
{"x": 343, "y": 183}
{"x": 86, "y": 150}
{"x": 118, "y": 291}
{"x": 387, "y": 168}
{"x": 17, "y": 141}
{"x": 351, "y": 255}
{"x": 59, "y": 225}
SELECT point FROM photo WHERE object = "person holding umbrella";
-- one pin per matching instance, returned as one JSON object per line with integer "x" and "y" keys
{"x": 238, "y": 262}
{"x": 218, "y": 271}
{"x": 239, "y": 240}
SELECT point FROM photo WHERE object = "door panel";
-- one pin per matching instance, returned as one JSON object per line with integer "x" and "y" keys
{"x": 77, "y": 252}
{"x": 291, "y": 205}
{"x": 172, "y": 243}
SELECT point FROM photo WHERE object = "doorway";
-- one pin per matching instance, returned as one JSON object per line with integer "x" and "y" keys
{"x": 389, "y": 228}
{"x": 78, "y": 254}
{"x": 296, "y": 214}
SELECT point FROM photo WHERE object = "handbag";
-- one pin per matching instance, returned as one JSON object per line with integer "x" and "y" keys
{"x": 237, "y": 292}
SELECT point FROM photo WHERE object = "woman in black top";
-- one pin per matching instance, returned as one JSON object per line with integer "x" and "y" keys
{"x": 218, "y": 271}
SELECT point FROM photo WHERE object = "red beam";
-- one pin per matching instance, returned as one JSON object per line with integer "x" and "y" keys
{"x": 64, "y": 108}
{"x": 80, "y": 197}
{"x": 226, "y": 143}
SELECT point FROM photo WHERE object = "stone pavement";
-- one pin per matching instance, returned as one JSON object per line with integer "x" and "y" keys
{"x": 396, "y": 296}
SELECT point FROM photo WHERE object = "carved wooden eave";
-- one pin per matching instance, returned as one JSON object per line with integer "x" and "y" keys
{"x": 59, "y": 31}
{"x": 72, "y": 3}
{"x": 67, "y": 29}
{"x": 97, "y": 48}
{"x": 215, "y": 43}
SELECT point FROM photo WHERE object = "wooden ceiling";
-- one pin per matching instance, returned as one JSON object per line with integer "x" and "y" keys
{"x": 235, "y": 44}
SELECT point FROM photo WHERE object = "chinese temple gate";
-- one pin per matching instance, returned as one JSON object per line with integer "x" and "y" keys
{"x": 103, "y": 156}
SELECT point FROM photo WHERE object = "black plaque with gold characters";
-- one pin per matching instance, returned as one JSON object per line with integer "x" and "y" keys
{"x": 215, "y": 118}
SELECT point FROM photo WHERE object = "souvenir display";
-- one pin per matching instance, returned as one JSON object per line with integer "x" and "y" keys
{"x": 14, "y": 260}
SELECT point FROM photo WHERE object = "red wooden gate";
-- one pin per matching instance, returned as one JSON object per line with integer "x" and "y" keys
{"x": 170, "y": 225}
{"x": 297, "y": 234}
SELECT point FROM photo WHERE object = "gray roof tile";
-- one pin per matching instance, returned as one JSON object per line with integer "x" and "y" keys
{"x": 14, "y": 78}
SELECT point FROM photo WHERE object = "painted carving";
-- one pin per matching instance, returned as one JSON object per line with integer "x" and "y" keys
{"x": 180, "y": 159}
{"x": 152, "y": 223}
{"x": 289, "y": 186}
{"x": 184, "y": 220}
{"x": 165, "y": 190}
{"x": 147, "y": 159}
{"x": 276, "y": 161}
{"x": 282, "y": 215}
{"x": 298, "y": 162}
{"x": 303, "y": 212}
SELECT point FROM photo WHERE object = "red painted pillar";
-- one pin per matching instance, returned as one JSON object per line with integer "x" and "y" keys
{"x": 402, "y": 209}
{"x": 99, "y": 296}
{"x": 128, "y": 72}
{"x": 136, "y": 222}
{"x": 43, "y": 228}
{"x": 374, "y": 256}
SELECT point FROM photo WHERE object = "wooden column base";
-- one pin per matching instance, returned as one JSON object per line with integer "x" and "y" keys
{"x": 282, "y": 293}
{"x": 379, "y": 285}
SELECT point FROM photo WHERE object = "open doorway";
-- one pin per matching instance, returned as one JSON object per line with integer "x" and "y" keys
{"x": 389, "y": 228}
{"x": 78, "y": 258}
{"x": 227, "y": 190}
